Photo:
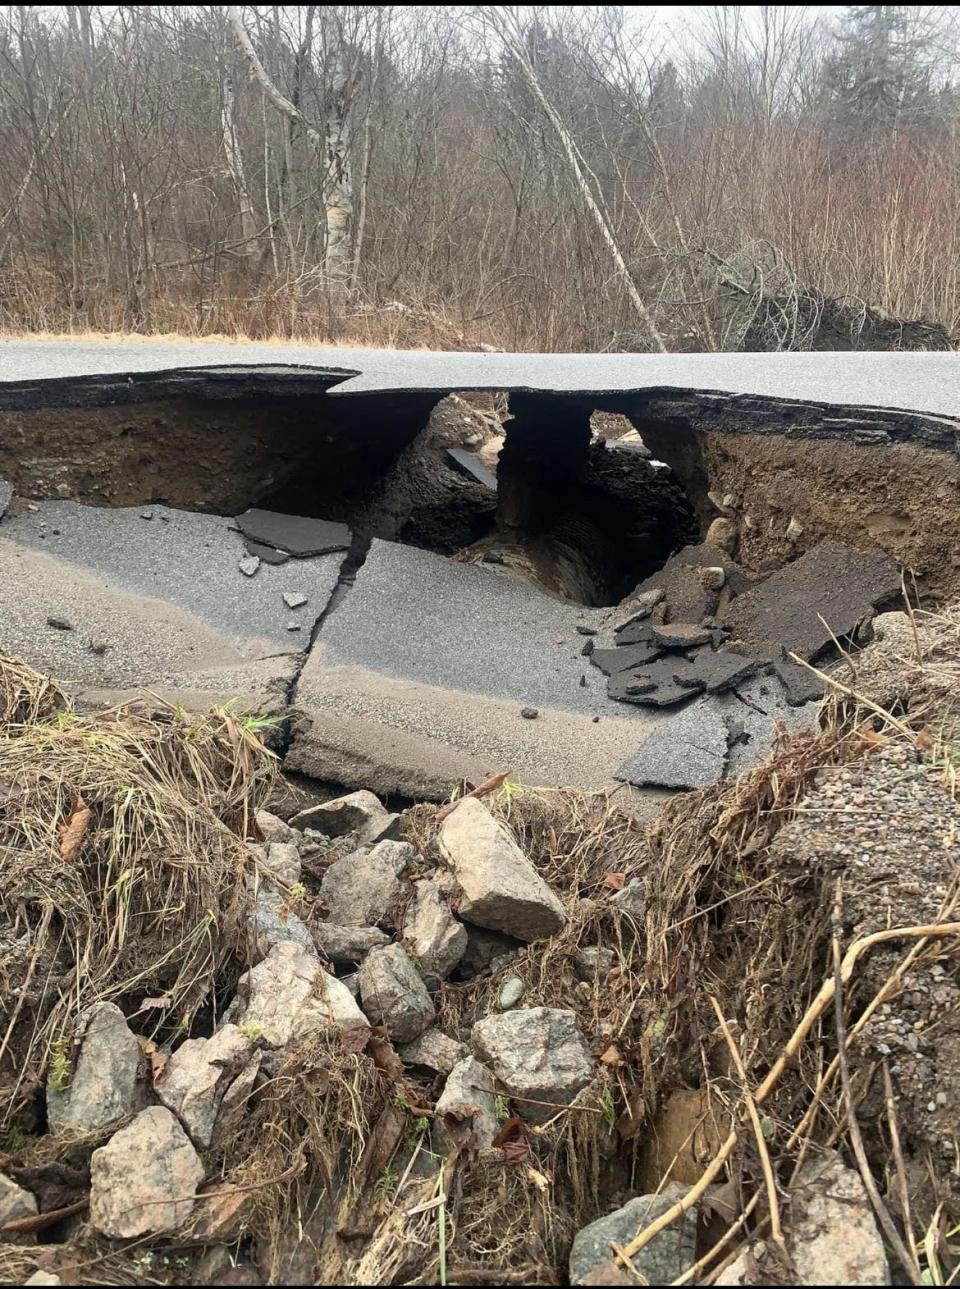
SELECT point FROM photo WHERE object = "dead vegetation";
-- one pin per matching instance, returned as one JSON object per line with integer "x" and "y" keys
{"x": 120, "y": 866}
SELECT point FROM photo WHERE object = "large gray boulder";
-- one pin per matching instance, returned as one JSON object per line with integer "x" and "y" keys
{"x": 108, "y": 1080}
{"x": 289, "y": 996}
{"x": 466, "y": 1113}
{"x": 667, "y": 1255}
{"x": 142, "y": 1182}
{"x": 502, "y": 890}
{"x": 204, "y": 1077}
{"x": 360, "y": 813}
{"x": 434, "y": 937}
{"x": 347, "y": 943}
{"x": 537, "y": 1053}
{"x": 394, "y": 995}
{"x": 364, "y": 888}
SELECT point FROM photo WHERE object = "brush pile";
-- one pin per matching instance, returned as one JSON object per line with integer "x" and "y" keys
{"x": 520, "y": 1039}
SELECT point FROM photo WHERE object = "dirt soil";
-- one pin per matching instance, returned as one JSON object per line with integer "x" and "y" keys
{"x": 898, "y": 497}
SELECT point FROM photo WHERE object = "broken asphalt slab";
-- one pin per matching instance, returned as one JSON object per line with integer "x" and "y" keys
{"x": 163, "y": 600}
{"x": 421, "y": 674}
{"x": 717, "y": 737}
{"x": 804, "y": 606}
{"x": 296, "y": 535}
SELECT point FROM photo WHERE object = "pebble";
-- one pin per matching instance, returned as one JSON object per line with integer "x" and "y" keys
{"x": 293, "y": 626}
{"x": 510, "y": 994}
{"x": 61, "y": 624}
{"x": 294, "y": 599}
{"x": 249, "y": 565}
{"x": 529, "y": 713}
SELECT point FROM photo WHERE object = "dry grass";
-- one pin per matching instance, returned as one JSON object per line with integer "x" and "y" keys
{"x": 120, "y": 865}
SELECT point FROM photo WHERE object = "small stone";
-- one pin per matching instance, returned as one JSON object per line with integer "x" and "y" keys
{"x": 108, "y": 1078}
{"x": 293, "y": 626}
{"x": 632, "y": 899}
{"x": 584, "y": 630}
{"x": 466, "y": 1113}
{"x": 510, "y": 994}
{"x": 794, "y": 530}
{"x": 538, "y": 1054}
{"x": 146, "y": 514}
{"x": 15, "y": 1201}
{"x": 529, "y": 713}
{"x": 433, "y": 1050}
{"x": 43, "y": 1278}
{"x": 722, "y": 533}
{"x": 99, "y": 647}
{"x": 272, "y": 828}
{"x": 294, "y": 599}
{"x": 713, "y": 578}
{"x": 60, "y": 624}
{"x": 249, "y": 565}
{"x": 833, "y": 1237}
{"x": 142, "y": 1182}
{"x": 394, "y": 995}
{"x": 593, "y": 962}
{"x": 502, "y": 890}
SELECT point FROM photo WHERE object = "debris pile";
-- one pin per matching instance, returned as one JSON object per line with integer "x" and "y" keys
{"x": 517, "y": 1036}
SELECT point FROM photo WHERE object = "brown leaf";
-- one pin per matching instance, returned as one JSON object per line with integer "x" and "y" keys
{"x": 154, "y": 1004}
{"x": 509, "y": 1128}
{"x": 483, "y": 790}
{"x": 515, "y": 1152}
{"x": 74, "y": 829}
{"x": 925, "y": 739}
{"x": 615, "y": 881}
{"x": 384, "y": 1055}
{"x": 158, "y": 1060}
{"x": 612, "y": 1056}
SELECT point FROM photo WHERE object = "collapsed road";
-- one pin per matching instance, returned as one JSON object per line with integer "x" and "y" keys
{"x": 434, "y": 591}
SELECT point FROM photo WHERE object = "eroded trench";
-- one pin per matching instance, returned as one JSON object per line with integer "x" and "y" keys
{"x": 585, "y": 497}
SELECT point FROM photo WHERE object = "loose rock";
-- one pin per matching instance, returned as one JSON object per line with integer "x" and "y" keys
{"x": 15, "y": 1201}
{"x": 510, "y": 994}
{"x": 501, "y": 889}
{"x": 833, "y": 1235}
{"x": 348, "y": 943}
{"x": 142, "y": 1182}
{"x": 249, "y": 565}
{"x": 272, "y": 828}
{"x": 536, "y": 1053}
{"x": 357, "y": 812}
{"x": 289, "y": 996}
{"x": 433, "y": 935}
{"x": 666, "y": 1256}
{"x": 201, "y": 1074}
{"x": 270, "y": 921}
{"x": 466, "y": 1114}
{"x": 394, "y": 995}
{"x": 108, "y": 1079}
{"x": 294, "y": 599}
{"x": 364, "y": 888}
{"x": 593, "y": 962}
{"x": 282, "y": 862}
{"x": 433, "y": 1050}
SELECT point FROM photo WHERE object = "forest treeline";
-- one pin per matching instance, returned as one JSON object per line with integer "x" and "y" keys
{"x": 553, "y": 179}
